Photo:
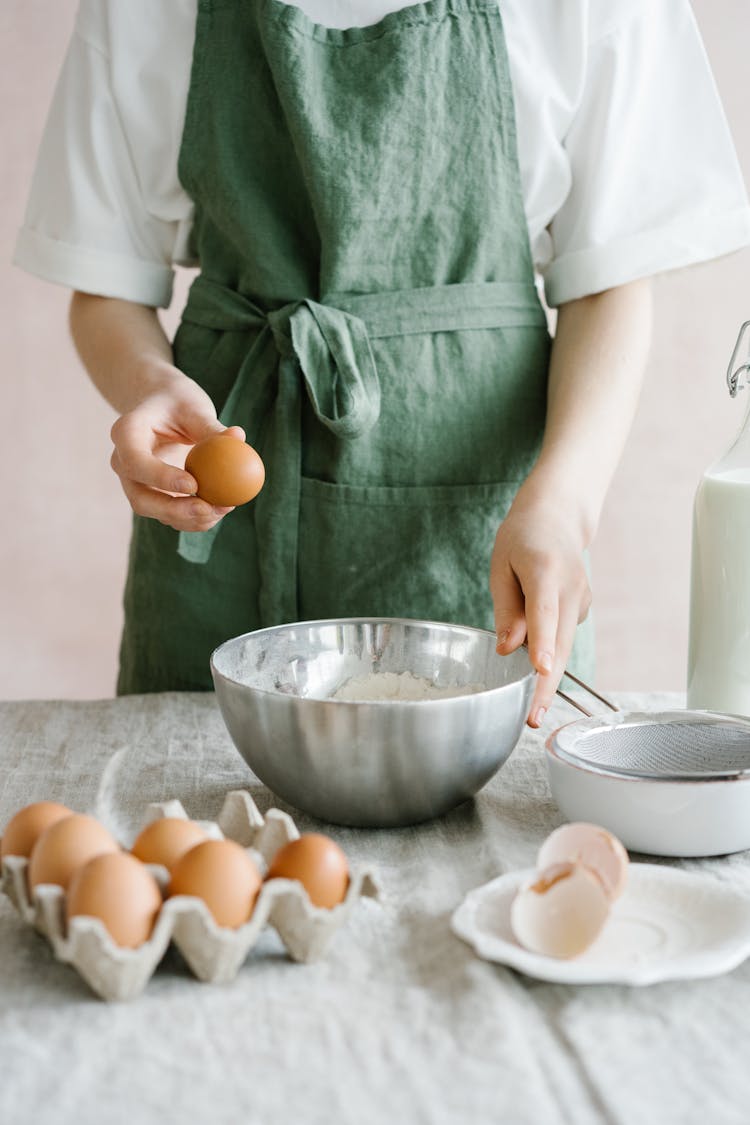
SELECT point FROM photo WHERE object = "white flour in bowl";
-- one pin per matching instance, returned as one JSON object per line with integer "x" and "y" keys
{"x": 397, "y": 686}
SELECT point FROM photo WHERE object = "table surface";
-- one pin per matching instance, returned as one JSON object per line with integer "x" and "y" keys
{"x": 399, "y": 1023}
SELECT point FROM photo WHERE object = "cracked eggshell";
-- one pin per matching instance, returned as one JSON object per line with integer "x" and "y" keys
{"x": 594, "y": 847}
{"x": 560, "y": 912}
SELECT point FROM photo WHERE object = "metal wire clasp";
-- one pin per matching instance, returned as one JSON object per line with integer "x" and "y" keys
{"x": 586, "y": 687}
{"x": 733, "y": 373}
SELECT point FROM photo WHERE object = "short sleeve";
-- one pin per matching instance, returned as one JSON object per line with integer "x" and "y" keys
{"x": 655, "y": 180}
{"x": 87, "y": 223}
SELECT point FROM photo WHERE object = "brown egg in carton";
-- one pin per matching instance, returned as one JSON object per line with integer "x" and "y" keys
{"x": 212, "y": 953}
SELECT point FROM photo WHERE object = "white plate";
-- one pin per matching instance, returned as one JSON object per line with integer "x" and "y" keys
{"x": 669, "y": 924}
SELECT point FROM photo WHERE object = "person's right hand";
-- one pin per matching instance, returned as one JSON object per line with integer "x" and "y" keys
{"x": 151, "y": 443}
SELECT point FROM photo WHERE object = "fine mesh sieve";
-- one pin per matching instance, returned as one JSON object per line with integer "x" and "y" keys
{"x": 664, "y": 745}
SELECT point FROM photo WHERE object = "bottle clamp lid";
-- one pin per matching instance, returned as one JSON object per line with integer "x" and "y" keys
{"x": 733, "y": 373}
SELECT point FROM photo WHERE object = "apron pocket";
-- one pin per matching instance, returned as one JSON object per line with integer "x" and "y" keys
{"x": 417, "y": 552}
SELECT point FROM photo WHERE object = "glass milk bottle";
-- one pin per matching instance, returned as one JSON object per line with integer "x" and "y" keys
{"x": 719, "y": 645}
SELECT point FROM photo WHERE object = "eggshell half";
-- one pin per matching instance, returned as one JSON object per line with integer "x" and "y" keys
{"x": 121, "y": 892}
{"x": 560, "y": 912}
{"x": 25, "y": 828}
{"x": 593, "y": 846}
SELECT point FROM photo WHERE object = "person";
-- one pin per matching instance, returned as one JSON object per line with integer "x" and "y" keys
{"x": 374, "y": 193}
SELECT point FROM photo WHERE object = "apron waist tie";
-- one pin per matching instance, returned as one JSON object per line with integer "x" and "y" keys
{"x": 326, "y": 348}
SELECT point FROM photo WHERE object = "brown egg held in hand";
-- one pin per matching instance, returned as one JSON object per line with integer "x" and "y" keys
{"x": 166, "y": 839}
{"x": 222, "y": 874}
{"x": 318, "y": 863}
{"x": 25, "y": 828}
{"x": 228, "y": 471}
{"x": 121, "y": 892}
{"x": 66, "y": 846}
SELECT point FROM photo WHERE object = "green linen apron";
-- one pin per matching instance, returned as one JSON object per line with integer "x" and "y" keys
{"x": 366, "y": 310}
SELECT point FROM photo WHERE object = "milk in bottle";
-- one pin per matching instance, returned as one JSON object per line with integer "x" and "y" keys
{"x": 719, "y": 645}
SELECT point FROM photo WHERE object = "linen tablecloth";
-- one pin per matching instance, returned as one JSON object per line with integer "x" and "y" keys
{"x": 399, "y": 1023}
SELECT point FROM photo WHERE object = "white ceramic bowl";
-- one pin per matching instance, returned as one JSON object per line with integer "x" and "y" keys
{"x": 674, "y": 783}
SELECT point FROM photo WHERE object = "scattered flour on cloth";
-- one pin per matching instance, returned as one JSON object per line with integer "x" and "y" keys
{"x": 398, "y": 686}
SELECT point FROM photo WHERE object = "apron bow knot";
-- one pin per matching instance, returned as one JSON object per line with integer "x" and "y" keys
{"x": 333, "y": 350}
{"x": 328, "y": 346}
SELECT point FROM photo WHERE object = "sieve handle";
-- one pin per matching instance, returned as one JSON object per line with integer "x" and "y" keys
{"x": 586, "y": 688}
{"x": 572, "y": 702}
{"x": 590, "y": 690}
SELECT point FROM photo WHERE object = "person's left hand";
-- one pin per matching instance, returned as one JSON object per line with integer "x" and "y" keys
{"x": 540, "y": 590}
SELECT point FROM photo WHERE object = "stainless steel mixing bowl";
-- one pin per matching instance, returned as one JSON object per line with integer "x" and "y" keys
{"x": 383, "y": 763}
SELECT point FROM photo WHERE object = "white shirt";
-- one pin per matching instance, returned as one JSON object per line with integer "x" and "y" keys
{"x": 627, "y": 164}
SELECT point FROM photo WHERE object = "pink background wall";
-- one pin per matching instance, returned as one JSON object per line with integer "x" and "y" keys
{"x": 65, "y": 523}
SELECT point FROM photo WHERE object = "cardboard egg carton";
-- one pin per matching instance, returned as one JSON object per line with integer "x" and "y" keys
{"x": 213, "y": 953}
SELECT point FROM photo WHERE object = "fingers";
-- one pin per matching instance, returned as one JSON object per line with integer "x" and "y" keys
{"x": 160, "y": 425}
{"x": 547, "y": 683}
{"x": 510, "y": 621}
{"x": 585, "y": 603}
{"x": 553, "y": 612}
{"x": 539, "y": 590}
{"x": 183, "y": 513}
{"x": 542, "y": 607}
{"x": 133, "y": 459}
{"x": 236, "y": 432}
{"x": 195, "y": 418}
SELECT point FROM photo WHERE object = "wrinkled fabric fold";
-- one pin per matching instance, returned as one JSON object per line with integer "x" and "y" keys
{"x": 303, "y": 343}
{"x": 366, "y": 311}
{"x": 323, "y": 350}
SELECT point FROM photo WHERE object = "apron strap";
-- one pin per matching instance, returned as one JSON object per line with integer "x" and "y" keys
{"x": 326, "y": 348}
{"x": 444, "y": 308}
